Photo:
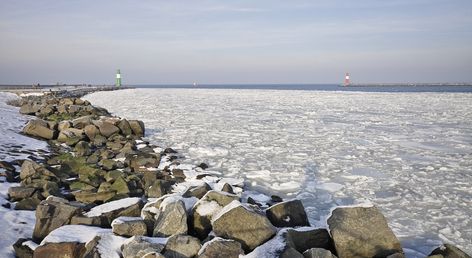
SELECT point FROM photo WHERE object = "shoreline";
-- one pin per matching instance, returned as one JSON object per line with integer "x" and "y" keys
{"x": 173, "y": 170}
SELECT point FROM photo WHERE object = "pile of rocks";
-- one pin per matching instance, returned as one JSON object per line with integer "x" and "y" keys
{"x": 105, "y": 192}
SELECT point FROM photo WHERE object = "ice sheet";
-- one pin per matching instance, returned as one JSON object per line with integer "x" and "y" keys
{"x": 410, "y": 154}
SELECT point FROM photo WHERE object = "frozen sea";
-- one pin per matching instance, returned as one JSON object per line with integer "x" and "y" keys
{"x": 408, "y": 153}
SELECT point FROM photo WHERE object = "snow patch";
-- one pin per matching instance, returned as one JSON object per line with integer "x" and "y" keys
{"x": 111, "y": 206}
{"x": 74, "y": 233}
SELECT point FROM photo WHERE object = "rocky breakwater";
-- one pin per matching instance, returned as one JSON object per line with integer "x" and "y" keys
{"x": 106, "y": 192}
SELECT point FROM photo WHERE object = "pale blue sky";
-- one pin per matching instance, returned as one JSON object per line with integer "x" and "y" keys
{"x": 236, "y": 41}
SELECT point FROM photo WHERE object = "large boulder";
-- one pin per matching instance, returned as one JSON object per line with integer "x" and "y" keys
{"x": 243, "y": 224}
{"x": 171, "y": 220}
{"x": 87, "y": 196}
{"x": 158, "y": 189}
{"x": 302, "y": 240}
{"x": 182, "y": 246}
{"x": 105, "y": 244}
{"x": 106, "y": 129}
{"x": 31, "y": 169}
{"x": 204, "y": 210}
{"x": 51, "y": 214}
{"x": 72, "y": 241}
{"x": 147, "y": 160}
{"x": 197, "y": 191}
{"x": 39, "y": 128}
{"x": 288, "y": 214}
{"x": 82, "y": 122}
{"x": 125, "y": 128}
{"x": 138, "y": 246}
{"x": 18, "y": 193}
{"x": 129, "y": 226}
{"x": 362, "y": 232}
{"x": 137, "y": 127}
{"x": 29, "y": 203}
{"x": 91, "y": 131}
{"x": 64, "y": 125}
{"x": 219, "y": 247}
{"x": 107, "y": 212}
{"x": 60, "y": 250}
{"x": 29, "y": 109}
{"x": 71, "y": 136}
{"x": 448, "y": 251}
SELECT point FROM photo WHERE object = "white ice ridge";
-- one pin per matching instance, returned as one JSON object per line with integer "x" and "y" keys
{"x": 410, "y": 154}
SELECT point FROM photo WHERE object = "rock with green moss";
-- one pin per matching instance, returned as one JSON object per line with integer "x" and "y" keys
{"x": 120, "y": 186}
{"x": 104, "y": 187}
{"x": 112, "y": 175}
{"x": 78, "y": 185}
{"x": 93, "y": 197}
{"x": 82, "y": 148}
{"x": 93, "y": 159}
{"x": 108, "y": 164}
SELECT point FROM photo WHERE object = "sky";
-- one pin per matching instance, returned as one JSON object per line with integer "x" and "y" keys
{"x": 210, "y": 41}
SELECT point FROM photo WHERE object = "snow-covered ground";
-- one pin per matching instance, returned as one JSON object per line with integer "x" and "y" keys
{"x": 408, "y": 153}
{"x": 14, "y": 224}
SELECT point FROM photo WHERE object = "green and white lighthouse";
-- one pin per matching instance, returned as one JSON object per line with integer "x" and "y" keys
{"x": 118, "y": 78}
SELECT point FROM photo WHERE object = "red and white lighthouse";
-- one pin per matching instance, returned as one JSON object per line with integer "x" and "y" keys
{"x": 347, "y": 80}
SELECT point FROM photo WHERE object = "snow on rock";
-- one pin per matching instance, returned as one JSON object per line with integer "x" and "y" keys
{"x": 230, "y": 206}
{"x": 153, "y": 240}
{"x": 111, "y": 206}
{"x": 269, "y": 249}
{"x": 124, "y": 219}
{"x": 109, "y": 245}
{"x": 30, "y": 244}
{"x": 74, "y": 233}
{"x": 208, "y": 208}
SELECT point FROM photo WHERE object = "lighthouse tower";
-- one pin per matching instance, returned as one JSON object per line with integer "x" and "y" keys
{"x": 118, "y": 78}
{"x": 347, "y": 80}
